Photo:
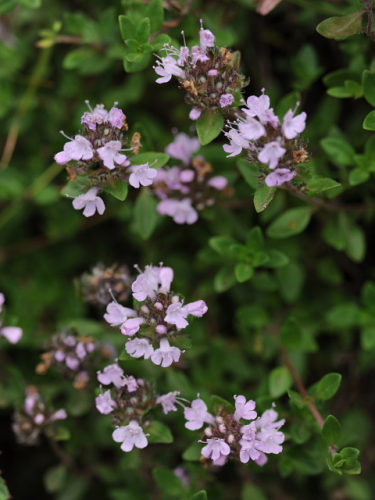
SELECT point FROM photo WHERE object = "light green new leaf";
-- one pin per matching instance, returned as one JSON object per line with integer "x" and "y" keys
{"x": 327, "y": 386}
{"x": 127, "y": 28}
{"x": 369, "y": 121}
{"x": 341, "y": 27}
{"x": 160, "y": 158}
{"x": 323, "y": 184}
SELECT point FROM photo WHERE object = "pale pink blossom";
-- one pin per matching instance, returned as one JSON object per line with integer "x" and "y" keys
{"x": 58, "y": 415}
{"x": 218, "y": 182}
{"x": 2, "y": 300}
{"x": 183, "y": 147}
{"x": 96, "y": 116}
{"x": 166, "y": 68}
{"x": 271, "y": 153}
{"x": 131, "y": 326}
{"x": 90, "y": 202}
{"x": 166, "y": 354}
{"x": 197, "y": 308}
{"x": 215, "y": 449}
{"x": 176, "y": 315}
{"x": 117, "y": 314}
{"x": 293, "y": 125}
{"x": 104, "y": 403}
{"x": 251, "y": 129}
{"x": 260, "y": 107}
{"x": 78, "y": 148}
{"x": 206, "y": 38}
{"x": 130, "y": 435}
{"x": 198, "y": 54}
{"x": 181, "y": 210}
{"x": 244, "y": 409}
{"x": 168, "y": 401}
{"x": 142, "y": 175}
{"x": 279, "y": 177}
{"x": 72, "y": 363}
{"x": 187, "y": 175}
{"x": 197, "y": 415}
{"x": 109, "y": 153}
{"x": 226, "y": 100}
{"x": 237, "y": 143}
{"x": 112, "y": 374}
{"x": 12, "y": 333}
{"x": 116, "y": 117}
{"x": 138, "y": 348}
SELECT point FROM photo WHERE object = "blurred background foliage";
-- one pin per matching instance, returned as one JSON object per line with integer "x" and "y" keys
{"x": 54, "y": 55}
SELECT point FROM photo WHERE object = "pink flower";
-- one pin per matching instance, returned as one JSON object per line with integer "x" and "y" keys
{"x": 226, "y": 100}
{"x": 197, "y": 415}
{"x": 138, "y": 348}
{"x": 116, "y": 117}
{"x": 166, "y": 354}
{"x": 271, "y": 153}
{"x": 80, "y": 350}
{"x": 62, "y": 158}
{"x": 142, "y": 175}
{"x": 131, "y": 384}
{"x": 260, "y": 107}
{"x": 72, "y": 363}
{"x": 237, "y": 143}
{"x": 2, "y": 300}
{"x": 112, "y": 374}
{"x": 166, "y": 277}
{"x": 145, "y": 285}
{"x": 197, "y": 308}
{"x": 166, "y": 68}
{"x": 292, "y": 126}
{"x": 181, "y": 210}
{"x": 218, "y": 182}
{"x": 194, "y": 114}
{"x": 279, "y": 176}
{"x": 206, "y": 38}
{"x": 130, "y": 435}
{"x": 268, "y": 432}
{"x": 90, "y": 202}
{"x": 104, "y": 403}
{"x": 109, "y": 153}
{"x": 58, "y": 415}
{"x": 251, "y": 129}
{"x": 183, "y": 147}
{"x": 176, "y": 315}
{"x": 12, "y": 333}
{"x": 131, "y": 326}
{"x": 96, "y": 116}
{"x": 198, "y": 54}
{"x": 216, "y": 448}
{"x": 187, "y": 175}
{"x": 79, "y": 148}
{"x": 168, "y": 401}
{"x": 117, "y": 314}
{"x": 244, "y": 409}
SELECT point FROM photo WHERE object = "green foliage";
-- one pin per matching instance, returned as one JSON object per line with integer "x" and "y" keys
{"x": 159, "y": 433}
{"x": 341, "y": 27}
{"x": 279, "y": 381}
{"x": 209, "y": 126}
{"x": 4, "y": 492}
{"x": 331, "y": 431}
{"x": 168, "y": 482}
{"x": 327, "y": 387}
{"x": 291, "y": 222}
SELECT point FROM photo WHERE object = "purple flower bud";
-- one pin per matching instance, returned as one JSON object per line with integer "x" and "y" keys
{"x": 218, "y": 182}
{"x": 279, "y": 177}
{"x": 194, "y": 114}
{"x": 207, "y": 39}
{"x": 104, "y": 403}
{"x": 226, "y": 100}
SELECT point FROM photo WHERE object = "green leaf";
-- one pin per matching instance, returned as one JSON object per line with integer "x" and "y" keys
{"x": 339, "y": 92}
{"x": 209, "y": 126}
{"x": 54, "y": 479}
{"x": 339, "y": 151}
{"x": 127, "y": 28}
{"x": 133, "y": 67}
{"x": 288, "y": 102}
{"x": 31, "y": 4}
{"x": 368, "y": 82}
{"x": 243, "y": 272}
{"x": 331, "y": 431}
{"x": 339, "y": 27}
{"x": 350, "y": 455}
{"x": 368, "y": 337}
{"x": 368, "y": 295}
{"x": 134, "y": 57}
{"x": 160, "y": 41}
{"x": 255, "y": 240}
{"x": 291, "y": 222}
{"x": 279, "y": 381}
{"x": 160, "y": 158}
{"x": 182, "y": 342}
{"x": 357, "y": 469}
{"x": 155, "y": 12}
{"x": 338, "y": 77}
{"x": 291, "y": 335}
{"x": 290, "y": 278}
{"x": 332, "y": 468}
{"x": 355, "y": 242}
{"x": 159, "y": 433}
{"x": 344, "y": 315}
{"x": 369, "y": 121}
{"x": 4, "y": 492}
{"x": 322, "y": 184}
{"x": 249, "y": 172}
{"x": 296, "y": 399}
{"x": 263, "y": 197}
{"x": 200, "y": 495}
{"x": 224, "y": 279}
{"x": 327, "y": 386}
{"x": 276, "y": 259}
{"x": 354, "y": 88}
{"x": 217, "y": 403}
{"x": 193, "y": 452}
{"x": 168, "y": 481}
{"x": 76, "y": 188}
{"x": 145, "y": 214}
{"x": 60, "y": 433}
{"x": 142, "y": 32}
{"x": 358, "y": 176}
{"x": 222, "y": 245}
{"x": 117, "y": 188}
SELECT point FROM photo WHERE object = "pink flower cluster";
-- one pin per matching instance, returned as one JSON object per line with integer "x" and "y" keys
{"x": 266, "y": 140}
{"x": 228, "y": 437}
{"x": 205, "y": 71}
{"x": 12, "y": 333}
{"x": 186, "y": 189}
{"x": 99, "y": 153}
{"x": 128, "y": 400}
{"x": 159, "y": 313}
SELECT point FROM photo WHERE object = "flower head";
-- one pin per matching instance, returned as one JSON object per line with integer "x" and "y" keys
{"x": 244, "y": 409}
{"x": 109, "y": 153}
{"x": 90, "y": 202}
{"x": 181, "y": 210}
{"x": 293, "y": 125}
{"x": 271, "y": 153}
{"x": 168, "y": 401}
{"x": 130, "y": 435}
{"x": 279, "y": 177}
{"x": 215, "y": 449}
{"x": 166, "y": 354}
{"x": 12, "y": 333}
{"x": 117, "y": 314}
{"x": 104, "y": 403}
{"x": 138, "y": 348}
{"x": 112, "y": 374}
{"x": 226, "y": 100}
{"x": 142, "y": 175}
{"x": 197, "y": 415}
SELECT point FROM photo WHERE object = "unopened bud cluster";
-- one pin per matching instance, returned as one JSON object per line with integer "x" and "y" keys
{"x": 227, "y": 436}
{"x": 75, "y": 356}
{"x": 274, "y": 145}
{"x": 35, "y": 417}
{"x": 157, "y": 319}
{"x": 129, "y": 401}
{"x": 185, "y": 190}
{"x": 209, "y": 74}
{"x": 104, "y": 283}
{"x": 98, "y": 154}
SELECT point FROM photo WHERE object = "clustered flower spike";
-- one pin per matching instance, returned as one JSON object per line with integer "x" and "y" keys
{"x": 75, "y": 356}
{"x": 189, "y": 188}
{"x": 209, "y": 74}
{"x": 35, "y": 417}
{"x": 227, "y": 436}
{"x": 12, "y": 333}
{"x": 98, "y": 154}
{"x": 267, "y": 141}
{"x": 129, "y": 401}
{"x": 157, "y": 319}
